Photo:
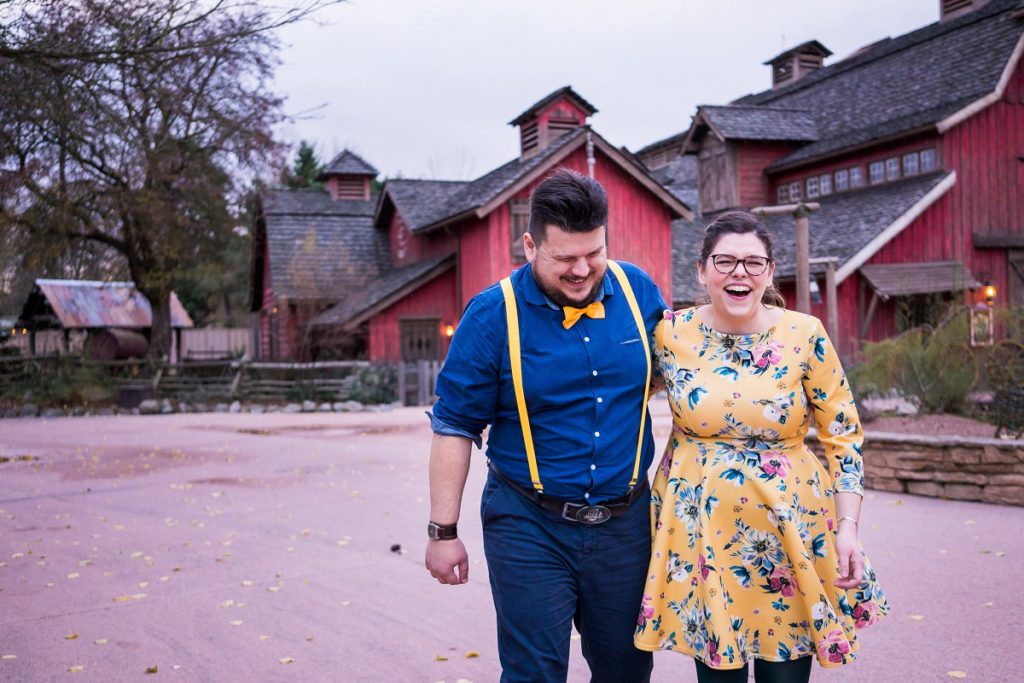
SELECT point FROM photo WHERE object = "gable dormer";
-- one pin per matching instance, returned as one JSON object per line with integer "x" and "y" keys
{"x": 348, "y": 177}
{"x": 561, "y": 112}
{"x": 795, "y": 63}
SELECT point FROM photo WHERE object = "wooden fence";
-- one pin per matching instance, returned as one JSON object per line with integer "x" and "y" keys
{"x": 223, "y": 380}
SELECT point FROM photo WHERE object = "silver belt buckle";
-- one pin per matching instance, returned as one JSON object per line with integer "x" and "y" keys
{"x": 589, "y": 514}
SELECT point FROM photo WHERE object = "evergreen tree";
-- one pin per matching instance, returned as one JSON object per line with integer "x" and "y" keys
{"x": 305, "y": 168}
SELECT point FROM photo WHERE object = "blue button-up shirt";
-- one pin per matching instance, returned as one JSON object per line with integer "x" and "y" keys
{"x": 584, "y": 387}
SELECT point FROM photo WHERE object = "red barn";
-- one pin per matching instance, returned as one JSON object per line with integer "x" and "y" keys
{"x": 913, "y": 146}
{"x": 430, "y": 245}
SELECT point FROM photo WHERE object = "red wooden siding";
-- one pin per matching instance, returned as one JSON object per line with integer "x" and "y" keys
{"x": 752, "y": 158}
{"x": 408, "y": 248}
{"x": 436, "y": 299}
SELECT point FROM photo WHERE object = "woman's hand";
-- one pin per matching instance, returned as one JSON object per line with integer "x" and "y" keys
{"x": 851, "y": 560}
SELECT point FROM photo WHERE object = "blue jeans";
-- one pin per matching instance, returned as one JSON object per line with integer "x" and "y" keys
{"x": 547, "y": 573}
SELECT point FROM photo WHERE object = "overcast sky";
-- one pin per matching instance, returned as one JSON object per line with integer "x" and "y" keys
{"x": 425, "y": 88}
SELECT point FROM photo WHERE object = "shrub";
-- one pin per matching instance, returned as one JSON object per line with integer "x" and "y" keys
{"x": 936, "y": 366}
{"x": 375, "y": 384}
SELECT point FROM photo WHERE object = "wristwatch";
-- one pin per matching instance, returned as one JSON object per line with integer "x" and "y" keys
{"x": 442, "y": 532}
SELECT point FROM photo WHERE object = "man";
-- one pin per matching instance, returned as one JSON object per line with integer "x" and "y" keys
{"x": 556, "y": 360}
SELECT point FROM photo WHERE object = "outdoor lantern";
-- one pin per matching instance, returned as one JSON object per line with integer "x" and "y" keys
{"x": 989, "y": 292}
{"x": 815, "y": 291}
{"x": 449, "y": 330}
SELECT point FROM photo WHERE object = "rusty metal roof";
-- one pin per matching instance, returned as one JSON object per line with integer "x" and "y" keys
{"x": 78, "y": 304}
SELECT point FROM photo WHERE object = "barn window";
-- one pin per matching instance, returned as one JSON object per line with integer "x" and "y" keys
{"x": 876, "y": 170}
{"x": 795, "y": 194}
{"x": 892, "y": 168}
{"x": 782, "y": 194}
{"x": 856, "y": 177}
{"x": 812, "y": 187}
{"x": 519, "y": 225}
{"x": 842, "y": 180}
{"x": 826, "y": 184}
{"x": 910, "y": 166}
{"x": 928, "y": 161}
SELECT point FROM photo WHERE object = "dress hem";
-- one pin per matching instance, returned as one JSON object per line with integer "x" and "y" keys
{"x": 831, "y": 665}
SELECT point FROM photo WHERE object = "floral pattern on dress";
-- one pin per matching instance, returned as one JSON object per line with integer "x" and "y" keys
{"x": 744, "y": 516}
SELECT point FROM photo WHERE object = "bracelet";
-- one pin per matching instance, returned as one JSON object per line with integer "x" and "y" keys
{"x": 849, "y": 518}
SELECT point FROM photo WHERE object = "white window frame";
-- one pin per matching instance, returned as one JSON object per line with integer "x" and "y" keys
{"x": 795, "y": 191}
{"x": 812, "y": 187}
{"x": 825, "y": 184}
{"x": 876, "y": 172}
{"x": 844, "y": 184}
{"x": 892, "y": 168}
{"x": 782, "y": 194}
{"x": 929, "y": 160}
{"x": 856, "y": 177}
{"x": 911, "y": 164}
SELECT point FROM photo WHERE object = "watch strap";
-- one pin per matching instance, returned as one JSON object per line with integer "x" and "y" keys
{"x": 442, "y": 532}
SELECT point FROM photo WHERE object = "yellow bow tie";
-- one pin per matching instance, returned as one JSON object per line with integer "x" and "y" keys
{"x": 594, "y": 310}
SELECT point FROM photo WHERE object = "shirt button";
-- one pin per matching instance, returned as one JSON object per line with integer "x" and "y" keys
{"x": 586, "y": 339}
{"x": 597, "y": 433}
{"x": 594, "y": 373}
{"x": 587, "y": 496}
{"x": 600, "y": 400}
{"x": 593, "y": 467}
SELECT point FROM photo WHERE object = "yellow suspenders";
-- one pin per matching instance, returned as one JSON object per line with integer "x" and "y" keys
{"x": 515, "y": 356}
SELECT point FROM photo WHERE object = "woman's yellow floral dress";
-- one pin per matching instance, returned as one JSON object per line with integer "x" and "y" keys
{"x": 744, "y": 557}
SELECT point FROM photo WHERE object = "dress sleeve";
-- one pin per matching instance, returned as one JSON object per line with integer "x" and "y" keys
{"x": 835, "y": 415}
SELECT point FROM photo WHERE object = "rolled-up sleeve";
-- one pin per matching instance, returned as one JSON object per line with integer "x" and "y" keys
{"x": 468, "y": 385}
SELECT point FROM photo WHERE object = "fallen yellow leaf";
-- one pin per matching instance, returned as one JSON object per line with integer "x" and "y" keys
{"x": 273, "y": 589}
{"x": 1001, "y": 553}
{"x": 472, "y": 653}
{"x": 101, "y": 641}
{"x": 956, "y": 674}
{"x": 286, "y": 660}
{"x": 247, "y": 583}
{"x": 264, "y": 637}
{"x": 440, "y": 658}
{"x": 236, "y": 622}
{"x": 151, "y": 669}
{"x": 71, "y": 636}
{"x": 227, "y": 603}
{"x": 76, "y": 668}
{"x": 9, "y": 657}
{"x": 74, "y": 575}
{"x": 917, "y": 617}
{"x": 987, "y": 604}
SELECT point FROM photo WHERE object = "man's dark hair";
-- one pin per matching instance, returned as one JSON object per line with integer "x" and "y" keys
{"x": 569, "y": 200}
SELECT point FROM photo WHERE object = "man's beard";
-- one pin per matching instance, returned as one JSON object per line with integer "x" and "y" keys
{"x": 560, "y": 299}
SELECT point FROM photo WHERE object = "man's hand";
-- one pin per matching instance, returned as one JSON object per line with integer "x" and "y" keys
{"x": 447, "y": 561}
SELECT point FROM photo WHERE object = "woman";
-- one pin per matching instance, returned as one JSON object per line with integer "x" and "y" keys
{"x": 756, "y": 554}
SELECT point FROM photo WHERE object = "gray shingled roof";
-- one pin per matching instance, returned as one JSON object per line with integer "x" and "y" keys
{"x": 681, "y": 172}
{"x": 485, "y": 188}
{"x": 843, "y": 226}
{"x": 901, "y": 84}
{"x": 422, "y": 202}
{"x": 381, "y": 289}
{"x": 548, "y": 99}
{"x": 314, "y": 201}
{"x": 737, "y": 122}
{"x": 676, "y": 139}
{"x": 348, "y": 163}
{"x": 321, "y": 249}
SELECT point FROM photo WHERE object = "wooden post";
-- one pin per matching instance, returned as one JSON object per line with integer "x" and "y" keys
{"x": 800, "y": 212}
{"x": 831, "y": 294}
{"x": 803, "y": 266}
{"x": 402, "y": 388}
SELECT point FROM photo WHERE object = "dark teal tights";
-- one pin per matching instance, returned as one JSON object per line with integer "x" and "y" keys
{"x": 793, "y": 671}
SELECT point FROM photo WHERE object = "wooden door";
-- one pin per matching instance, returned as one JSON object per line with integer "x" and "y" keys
{"x": 421, "y": 339}
{"x": 1015, "y": 278}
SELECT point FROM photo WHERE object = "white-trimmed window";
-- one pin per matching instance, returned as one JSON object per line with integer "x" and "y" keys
{"x": 842, "y": 180}
{"x": 812, "y": 187}
{"x": 910, "y": 166}
{"x": 825, "y": 183}
{"x": 795, "y": 194}
{"x": 856, "y": 177}
{"x": 892, "y": 168}
{"x": 928, "y": 160}
{"x": 782, "y": 194}
{"x": 876, "y": 171}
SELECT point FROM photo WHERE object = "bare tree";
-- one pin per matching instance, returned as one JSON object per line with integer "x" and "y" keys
{"x": 137, "y": 124}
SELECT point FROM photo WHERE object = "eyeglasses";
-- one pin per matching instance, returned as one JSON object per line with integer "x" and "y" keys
{"x": 753, "y": 265}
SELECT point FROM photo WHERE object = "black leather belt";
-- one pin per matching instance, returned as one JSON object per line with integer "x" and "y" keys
{"x": 584, "y": 513}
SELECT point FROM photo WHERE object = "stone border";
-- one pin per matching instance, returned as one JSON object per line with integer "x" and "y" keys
{"x": 956, "y": 467}
{"x": 166, "y": 407}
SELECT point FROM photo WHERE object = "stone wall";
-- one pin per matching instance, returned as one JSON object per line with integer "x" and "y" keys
{"x": 963, "y": 468}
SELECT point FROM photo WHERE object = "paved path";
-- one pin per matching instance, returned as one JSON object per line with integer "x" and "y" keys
{"x": 258, "y": 548}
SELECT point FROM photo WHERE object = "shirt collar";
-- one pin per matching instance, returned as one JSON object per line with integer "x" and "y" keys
{"x": 533, "y": 294}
